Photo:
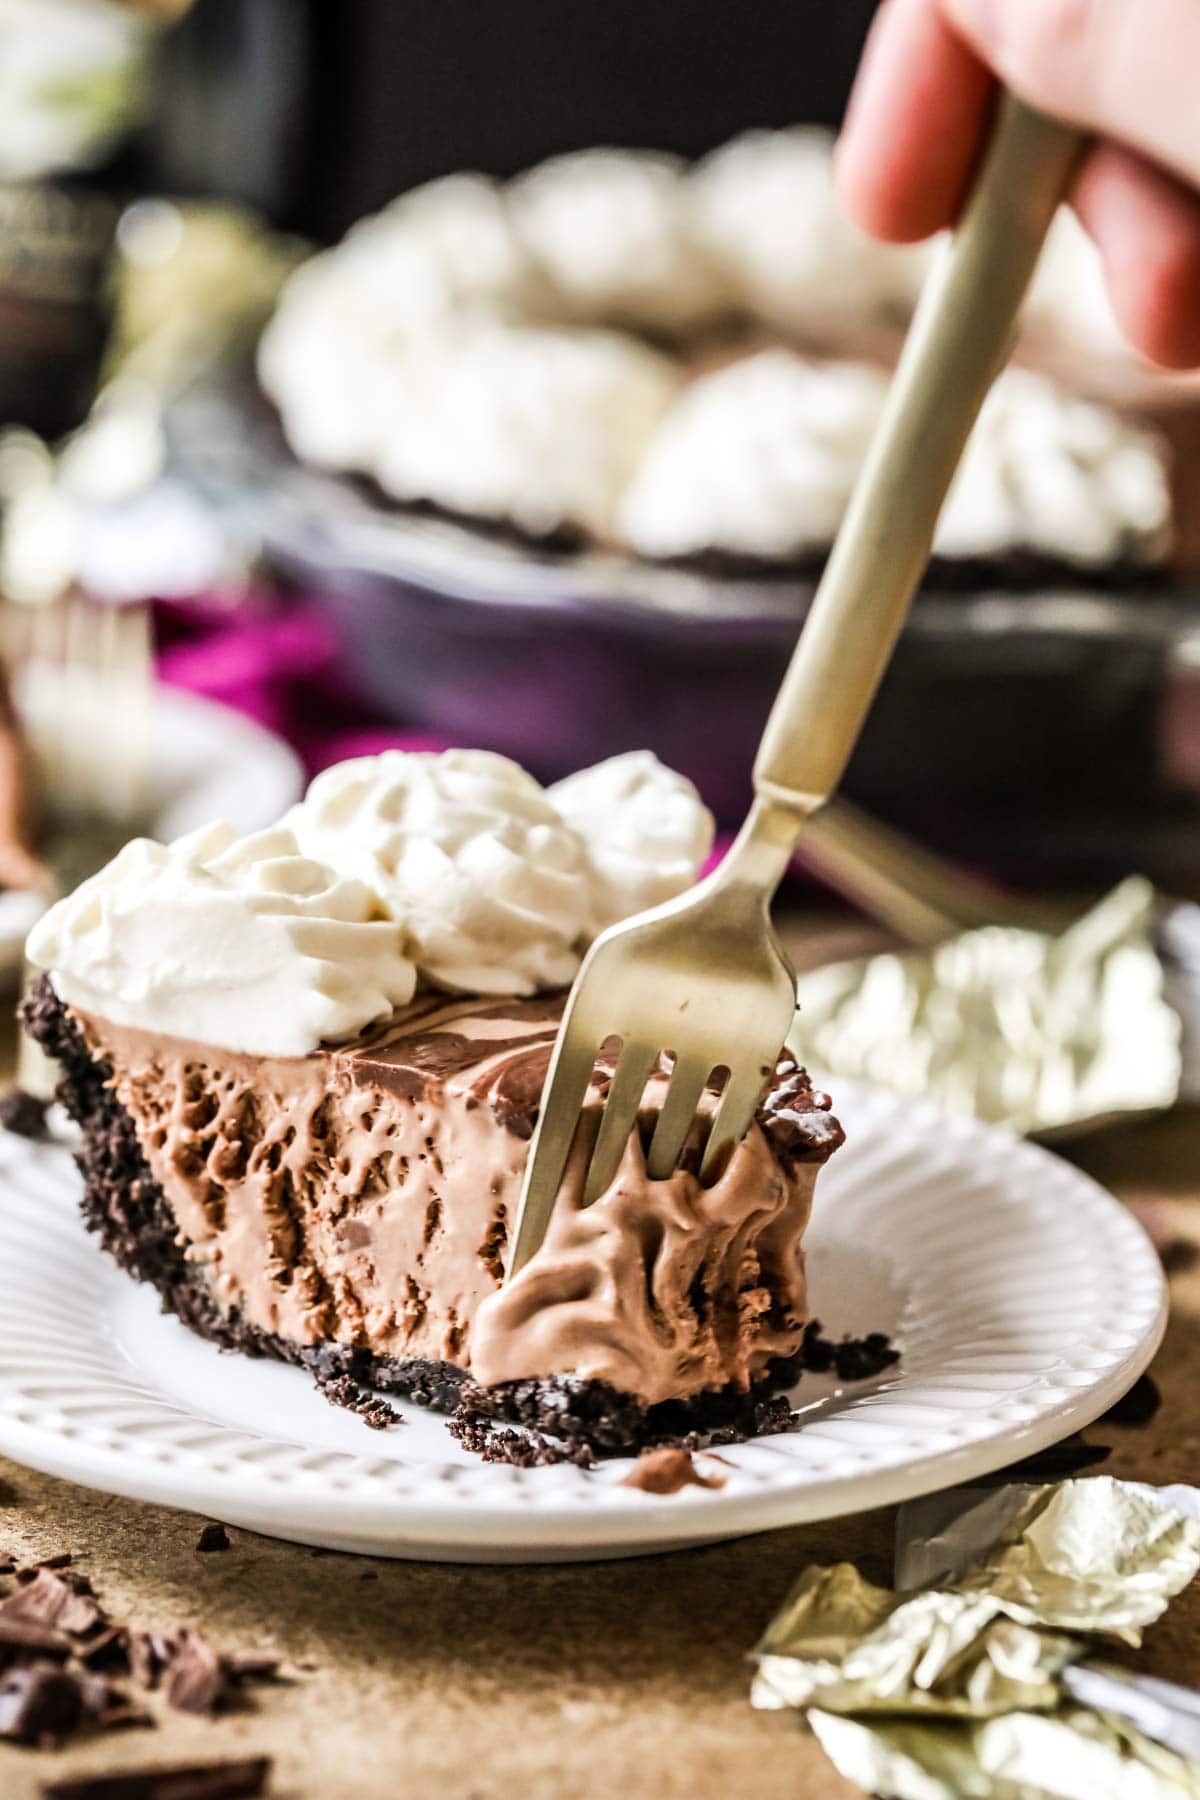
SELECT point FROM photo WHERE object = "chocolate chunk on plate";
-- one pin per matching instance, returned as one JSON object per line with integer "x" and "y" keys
{"x": 242, "y": 1780}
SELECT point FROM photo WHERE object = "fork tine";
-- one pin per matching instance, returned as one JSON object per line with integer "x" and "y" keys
{"x": 677, "y": 1116}
{"x": 742, "y": 1093}
{"x": 620, "y": 1116}
{"x": 567, "y": 1081}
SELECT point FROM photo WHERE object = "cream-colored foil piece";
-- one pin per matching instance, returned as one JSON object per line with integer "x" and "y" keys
{"x": 1038, "y": 1031}
{"x": 957, "y": 1689}
{"x": 1074, "y": 1755}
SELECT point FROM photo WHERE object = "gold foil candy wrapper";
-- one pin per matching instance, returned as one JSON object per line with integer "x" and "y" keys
{"x": 958, "y": 1689}
{"x": 1075, "y": 1755}
{"x": 1039, "y": 1031}
{"x": 848, "y": 1647}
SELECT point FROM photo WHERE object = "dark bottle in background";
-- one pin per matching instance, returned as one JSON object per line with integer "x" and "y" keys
{"x": 54, "y": 316}
{"x": 72, "y": 87}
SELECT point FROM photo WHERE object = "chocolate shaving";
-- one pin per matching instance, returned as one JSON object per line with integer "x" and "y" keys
{"x": 56, "y": 1638}
{"x": 60, "y": 1601}
{"x": 42, "y": 1703}
{"x": 18, "y": 1636}
{"x": 251, "y": 1665}
{"x": 196, "y": 1679}
{"x": 193, "y": 1781}
{"x": 109, "y": 1649}
{"x": 212, "y": 1537}
{"x": 23, "y": 1113}
{"x": 108, "y": 1707}
{"x": 39, "y": 1704}
{"x": 149, "y": 1654}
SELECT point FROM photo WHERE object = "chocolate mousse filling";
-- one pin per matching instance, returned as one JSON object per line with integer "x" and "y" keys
{"x": 348, "y": 1212}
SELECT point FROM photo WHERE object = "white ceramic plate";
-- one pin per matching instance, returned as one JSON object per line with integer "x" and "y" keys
{"x": 207, "y": 762}
{"x": 1024, "y": 1298}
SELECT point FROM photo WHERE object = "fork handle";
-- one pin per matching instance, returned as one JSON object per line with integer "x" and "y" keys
{"x": 960, "y": 338}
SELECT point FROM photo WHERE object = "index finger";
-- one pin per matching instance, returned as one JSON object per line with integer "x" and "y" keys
{"x": 917, "y": 116}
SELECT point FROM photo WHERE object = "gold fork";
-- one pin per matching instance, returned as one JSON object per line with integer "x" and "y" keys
{"x": 704, "y": 978}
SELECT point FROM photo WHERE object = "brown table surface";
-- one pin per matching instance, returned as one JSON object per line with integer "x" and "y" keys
{"x": 602, "y": 1680}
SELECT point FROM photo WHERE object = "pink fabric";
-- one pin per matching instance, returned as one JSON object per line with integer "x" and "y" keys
{"x": 279, "y": 666}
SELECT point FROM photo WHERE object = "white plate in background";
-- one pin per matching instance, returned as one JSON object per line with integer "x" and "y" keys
{"x": 206, "y": 762}
{"x": 1024, "y": 1298}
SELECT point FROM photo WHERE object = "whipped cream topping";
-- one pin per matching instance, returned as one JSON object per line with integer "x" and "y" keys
{"x": 467, "y": 853}
{"x": 767, "y": 212}
{"x": 459, "y": 868}
{"x": 462, "y": 347}
{"x": 1046, "y": 471}
{"x": 757, "y": 458}
{"x": 646, "y": 830}
{"x": 616, "y": 232}
{"x": 538, "y": 427}
{"x": 239, "y": 942}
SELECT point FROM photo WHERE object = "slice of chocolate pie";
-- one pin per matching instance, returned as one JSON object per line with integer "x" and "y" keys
{"x": 347, "y": 1204}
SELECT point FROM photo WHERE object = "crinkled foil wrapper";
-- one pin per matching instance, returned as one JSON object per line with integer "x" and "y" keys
{"x": 962, "y": 1688}
{"x": 1042, "y": 1032}
{"x": 1072, "y": 1755}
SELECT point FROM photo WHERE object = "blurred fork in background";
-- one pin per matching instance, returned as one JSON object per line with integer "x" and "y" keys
{"x": 912, "y": 891}
{"x": 81, "y": 678}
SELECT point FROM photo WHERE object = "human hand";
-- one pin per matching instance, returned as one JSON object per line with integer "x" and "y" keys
{"x": 920, "y": 111}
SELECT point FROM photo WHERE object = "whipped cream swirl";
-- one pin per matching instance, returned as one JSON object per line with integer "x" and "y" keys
{"x": 537, "y": 426}
{"x": 767, "y": 212}
{"x": 1048, "y": 472}
{"x": 468, "y": 855}
{"x": 758, "y": 458}
{"x": 645, "y": 828}
{"x": 616, "y": 232}
{"x": 239, "y": 942}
